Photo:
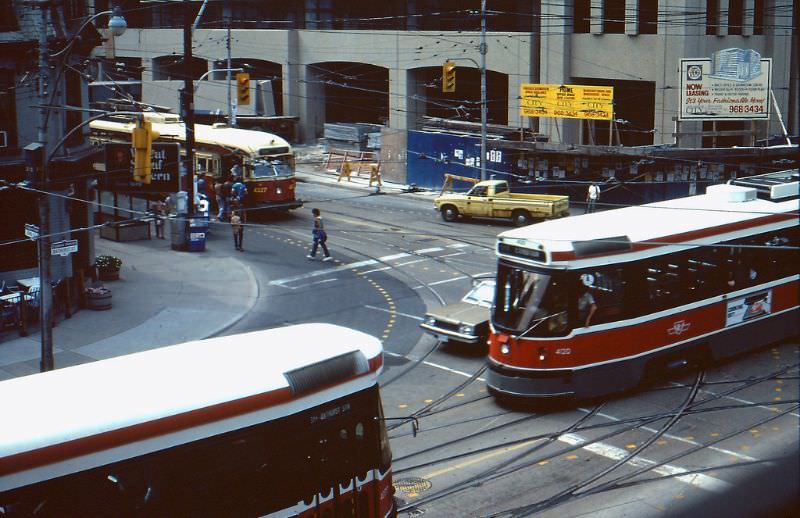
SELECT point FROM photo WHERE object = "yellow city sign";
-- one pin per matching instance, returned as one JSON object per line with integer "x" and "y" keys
{"x": 567, "y": 101}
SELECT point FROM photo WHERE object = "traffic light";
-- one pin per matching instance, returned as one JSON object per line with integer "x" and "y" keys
{"x": 243, "y": 88}
{"x": 448, "y": 77}
{"x": 142, "y": 143}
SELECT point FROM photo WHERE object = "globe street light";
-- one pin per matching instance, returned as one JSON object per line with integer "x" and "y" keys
{"x": 117, "y": 23}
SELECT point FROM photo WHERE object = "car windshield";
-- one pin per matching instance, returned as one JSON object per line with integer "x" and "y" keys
{"x": 482, "y": 294}
{"x": 271, "y": 167}
{"x": 530, "y": 303}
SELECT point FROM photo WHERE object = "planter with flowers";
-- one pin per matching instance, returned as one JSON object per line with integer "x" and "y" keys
{"x": 108, "y": 267}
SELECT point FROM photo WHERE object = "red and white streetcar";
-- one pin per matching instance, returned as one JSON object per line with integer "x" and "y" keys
{"x": 589, "y": 305}
{"x": 284, "y": 422}
{"x": 267, "y": 160}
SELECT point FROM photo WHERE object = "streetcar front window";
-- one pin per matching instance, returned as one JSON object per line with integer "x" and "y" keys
{"x": 530, "y": 303}
{"x": 272, "y": 167}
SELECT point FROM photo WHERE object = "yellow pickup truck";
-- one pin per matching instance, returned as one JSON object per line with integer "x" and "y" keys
{"x": 493, "y": 199}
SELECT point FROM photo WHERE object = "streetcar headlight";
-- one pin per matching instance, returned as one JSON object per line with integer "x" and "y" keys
{"x": 505, "y": 349}
{"x": 465, "y": 329}
{"x": 278, "y": 190}
{"x": 431, "y": 321}
{"x": 542, "y": 353}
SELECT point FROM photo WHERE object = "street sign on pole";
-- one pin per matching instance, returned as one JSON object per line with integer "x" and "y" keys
{"x": 31, "y": 231}
{"x": 64, "y": 248}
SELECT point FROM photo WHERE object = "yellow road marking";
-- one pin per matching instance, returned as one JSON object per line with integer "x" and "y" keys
{"x": 480, "y": 459}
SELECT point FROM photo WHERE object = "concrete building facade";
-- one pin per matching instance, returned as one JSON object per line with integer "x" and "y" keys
{"x": 325, "y": 67}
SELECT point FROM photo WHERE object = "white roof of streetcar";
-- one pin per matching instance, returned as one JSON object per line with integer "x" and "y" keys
{"x": 170, "y": 127}
{"x": 114, "y": 397}
{"x": 717, "y": 215}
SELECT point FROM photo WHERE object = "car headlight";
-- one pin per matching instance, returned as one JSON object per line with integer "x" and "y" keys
{"x": 465, "y": 329}
{"x": 431, "y": 321}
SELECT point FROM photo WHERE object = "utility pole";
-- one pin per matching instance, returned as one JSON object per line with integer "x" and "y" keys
{"x": 483, "y": 89}
{"x": 231, "y": 112}
{"x": 187, "y": 106}
{"x": 45, "y": 290}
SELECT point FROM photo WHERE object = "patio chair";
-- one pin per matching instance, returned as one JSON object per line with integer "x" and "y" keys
{"x": 9, "y": 315}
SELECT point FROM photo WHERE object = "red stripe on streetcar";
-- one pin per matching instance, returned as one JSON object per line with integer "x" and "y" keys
{"x": 139, "y": 432}
{"x": 627, "y": 340}
{"x": 683, "y": 237}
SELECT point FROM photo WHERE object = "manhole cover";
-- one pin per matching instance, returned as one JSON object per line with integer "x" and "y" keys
{"x": 412, "y": 485}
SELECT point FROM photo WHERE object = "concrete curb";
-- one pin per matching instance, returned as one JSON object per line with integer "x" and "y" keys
{"x": 255, "y": 293}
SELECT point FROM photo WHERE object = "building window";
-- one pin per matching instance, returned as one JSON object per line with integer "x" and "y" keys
{"x": 712, "y": 17}
{"x": 758, "y": 17}
{"x": 171, "y": 68}
{"x": 580, "y": 16}
{"x": 8, "y": 111}
{"x": 614, "y": 17}
{"x": 8, "y": 22}
{"x": 735, "y": 16}
{"x": 648, "y": 17}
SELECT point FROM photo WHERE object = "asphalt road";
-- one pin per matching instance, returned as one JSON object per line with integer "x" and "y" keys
{"x": 470, "y": 456}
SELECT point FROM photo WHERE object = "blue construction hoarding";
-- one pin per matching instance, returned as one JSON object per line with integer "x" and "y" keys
{"x": 623, "y": 179}
{"x": 431, "y": 155}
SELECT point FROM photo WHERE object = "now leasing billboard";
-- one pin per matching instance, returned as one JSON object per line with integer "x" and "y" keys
{"x": 567, "y": 101}
{"x": 733, "y": 84}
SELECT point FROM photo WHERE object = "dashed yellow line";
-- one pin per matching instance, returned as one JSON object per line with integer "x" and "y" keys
{"x": 481, "y": 459}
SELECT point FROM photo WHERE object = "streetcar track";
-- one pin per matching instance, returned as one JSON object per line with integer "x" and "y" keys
{"x": 577, "y": 489}
{"x": 635, "y": 422}
{"x": 619, "y": 482}
{"x": 623, "y": 426}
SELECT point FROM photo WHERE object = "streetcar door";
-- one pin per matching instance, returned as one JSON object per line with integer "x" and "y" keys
{"x": 347, "y": 487}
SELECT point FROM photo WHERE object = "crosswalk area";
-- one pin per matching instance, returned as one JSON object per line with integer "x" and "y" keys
{"x": 386, "y": 263}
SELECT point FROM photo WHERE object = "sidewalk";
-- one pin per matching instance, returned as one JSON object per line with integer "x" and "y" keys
{"x": 163, "y": 297}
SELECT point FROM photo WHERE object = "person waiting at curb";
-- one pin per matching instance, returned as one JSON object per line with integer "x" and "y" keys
{"x": 320, "y": 237}
{"x": 238, "y": 230}
{"x": 592, "y": 195}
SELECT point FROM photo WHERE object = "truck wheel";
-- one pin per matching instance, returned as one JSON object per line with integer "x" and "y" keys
{"x": 521, "y": 218}
{"x": 449, "y": 213}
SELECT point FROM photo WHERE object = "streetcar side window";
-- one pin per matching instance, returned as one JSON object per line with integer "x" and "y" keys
{"x": 606, "y": 286}
{"x": 778, "y": 254}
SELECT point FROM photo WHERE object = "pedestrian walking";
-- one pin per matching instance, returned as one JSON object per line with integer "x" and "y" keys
{"x": 592, "y": 196}
{"x": 320, "y": 237}
{"x": 238, "y": 230}
{"x": 226, "y": 196}
{"x": 220, "y": 199}
{"x": 159, "y": 213}
{"x": 239, "y": 191}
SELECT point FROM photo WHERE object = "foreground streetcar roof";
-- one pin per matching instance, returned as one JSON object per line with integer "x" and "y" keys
{"x": 170, "y": 127}
{"x": 696, "y": 219}
{"x": 119, "y": 393}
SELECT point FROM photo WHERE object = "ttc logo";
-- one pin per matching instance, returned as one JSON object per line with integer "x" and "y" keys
{"x": 679, "y": 327}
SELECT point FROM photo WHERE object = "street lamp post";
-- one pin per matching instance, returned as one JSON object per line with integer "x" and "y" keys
{"x": 116, "y": 26}
{"x": 483, "y": 89}
{"x": 187, "y": 106}
{"x": 482, "y": 66}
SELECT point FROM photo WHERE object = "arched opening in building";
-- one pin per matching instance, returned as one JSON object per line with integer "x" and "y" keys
{"x": 166, "y": 68}
{"x": 465, "y": 103}
{"x": 354, "y": 92}
{"x": 634, "y": 114}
